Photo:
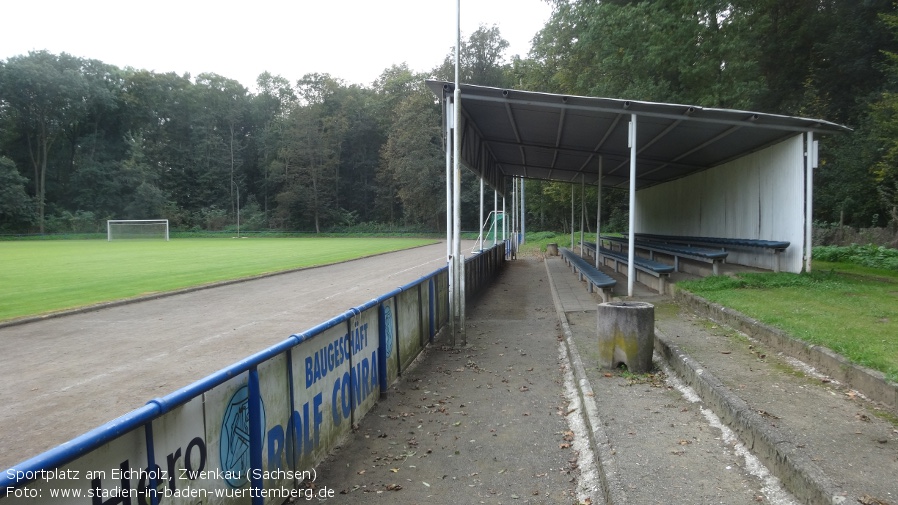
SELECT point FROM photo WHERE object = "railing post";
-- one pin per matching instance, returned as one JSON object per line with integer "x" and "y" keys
{"x": 255, "y": 435}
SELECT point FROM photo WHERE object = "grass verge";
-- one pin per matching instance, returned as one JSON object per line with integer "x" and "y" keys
{"x": 848, "y": 308}
{"x": 38, "y": 277}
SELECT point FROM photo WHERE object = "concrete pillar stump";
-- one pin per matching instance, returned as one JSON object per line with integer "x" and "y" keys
{"x": 626, "y": 335}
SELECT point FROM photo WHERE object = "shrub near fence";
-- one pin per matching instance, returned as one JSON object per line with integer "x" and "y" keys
{"x": 869, "y": 255}
{"x": 256, "y": 429}
{"x": 835, "y": 235}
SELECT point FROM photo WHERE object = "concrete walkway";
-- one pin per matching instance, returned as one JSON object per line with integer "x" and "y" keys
{"x": 523, "y": 414}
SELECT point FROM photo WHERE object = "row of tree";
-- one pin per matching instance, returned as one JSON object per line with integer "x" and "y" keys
{"x": 828, "y": 59}
{"x": 82, "y": 141}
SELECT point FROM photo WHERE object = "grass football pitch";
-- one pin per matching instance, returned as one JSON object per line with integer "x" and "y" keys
{"x": 40, "y": 277}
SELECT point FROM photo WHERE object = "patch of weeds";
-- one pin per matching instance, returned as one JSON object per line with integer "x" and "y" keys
{"x": 751, "y": 280}
{"x": 654, "y": 378}
{"x": 869, "y": 255}
{"x": 712, "y": 283}
{"x": 667, "y": 310}
{"x": 725, "y": 331}
{"x": 788, "y": 369}
{"x": 885, "y": 415}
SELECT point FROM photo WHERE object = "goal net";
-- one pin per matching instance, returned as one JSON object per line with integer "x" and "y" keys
{"x": 118, "y": 229}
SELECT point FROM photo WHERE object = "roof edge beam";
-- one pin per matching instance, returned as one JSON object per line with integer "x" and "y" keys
{"x": 750, "y": 121}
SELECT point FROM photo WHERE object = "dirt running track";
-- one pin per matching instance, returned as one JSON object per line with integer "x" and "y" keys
{"x": 65, "y": 376}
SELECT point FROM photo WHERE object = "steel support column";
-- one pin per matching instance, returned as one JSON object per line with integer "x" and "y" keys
{"x": 810, "y": 161}
{"x": 599, "y": 216}
{"x": 631, "y": 253}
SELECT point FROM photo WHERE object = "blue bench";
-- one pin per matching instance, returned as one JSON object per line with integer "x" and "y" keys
{"x": 775, "y": 246}
{"x": 593, "y": 277}
{"x": 713, "y": 256}
{"x": 656, "y": 269}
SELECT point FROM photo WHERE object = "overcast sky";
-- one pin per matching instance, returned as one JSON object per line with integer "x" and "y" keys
{"x": 354, "y": 40}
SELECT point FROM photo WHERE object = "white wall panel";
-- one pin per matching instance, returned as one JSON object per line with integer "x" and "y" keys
{"x": 322, "y": 393}
{"x": 742, "y": 191}
{"x": 714, "y": 203}
{"x": 782, "y": 200}
{"x": 106, "y": 468}
{"x": 365, "y": 372}
{"x": 277, "y": 446}
{"x": 759, "y": 196}
{"x": 410, "y": 327}
{"x": 390, "y": 344}
{"x": 180, "y": 450}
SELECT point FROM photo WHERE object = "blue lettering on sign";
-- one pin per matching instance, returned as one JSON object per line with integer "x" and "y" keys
{"x": 359, "y": 338}
{"x": 354, "y": 388}
{"x": 325, "y": 359}
{"x": 302, "y": 435}
{"x": 333, "y": 354}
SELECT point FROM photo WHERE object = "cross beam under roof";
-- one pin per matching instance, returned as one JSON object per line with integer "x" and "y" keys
{"x": 508, "y": 133}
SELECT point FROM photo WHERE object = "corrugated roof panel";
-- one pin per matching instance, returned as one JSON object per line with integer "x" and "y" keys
{"x": 558, "y": 137}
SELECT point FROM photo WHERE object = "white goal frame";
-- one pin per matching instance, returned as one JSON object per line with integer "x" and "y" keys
{"x": 111, "y": 222}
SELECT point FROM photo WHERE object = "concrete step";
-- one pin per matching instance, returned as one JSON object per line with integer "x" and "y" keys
{"x": 725, "y": 419}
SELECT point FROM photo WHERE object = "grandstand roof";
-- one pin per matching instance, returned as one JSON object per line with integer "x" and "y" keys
{"x": 512, "y": 133}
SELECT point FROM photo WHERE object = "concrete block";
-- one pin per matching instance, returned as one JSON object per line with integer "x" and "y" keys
{"x": 626, "y": 332}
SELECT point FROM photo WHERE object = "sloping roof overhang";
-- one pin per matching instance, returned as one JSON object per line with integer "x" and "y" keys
{"x": 511, "y": 133}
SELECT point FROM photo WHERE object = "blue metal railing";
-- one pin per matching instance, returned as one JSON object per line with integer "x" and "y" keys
{"x": 487, "y": 264}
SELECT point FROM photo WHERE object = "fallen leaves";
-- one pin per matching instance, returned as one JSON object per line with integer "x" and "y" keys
{"x": 568, "y": 437}
{"x": 866, "y": 499}
{"x": 764, "y": 413}
{"x": 757, "y": 352}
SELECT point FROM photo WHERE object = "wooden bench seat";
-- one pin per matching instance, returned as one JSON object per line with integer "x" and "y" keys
{"x": 595, "y": 279}
{"x": 656, "y": 269}
{"x": 775, "y": 246}
{"x": 713, "y": 256}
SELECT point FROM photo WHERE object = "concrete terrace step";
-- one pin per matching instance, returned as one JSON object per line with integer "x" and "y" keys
{"x": 727, "y": 414}
{"x": 825, "y": 441}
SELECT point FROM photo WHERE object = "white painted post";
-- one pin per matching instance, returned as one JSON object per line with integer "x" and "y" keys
{"x": 572, "y": 216}
{"x": 523, "y": 214}
{"x": 504, "y": 225}
{"x": 495, "y": 216}
{"x": 810, "y": 164}
{"x": 599, "y": 216}
{"x": 450, "y": 116}
{"x": 456, "y": 218}
{"x": 582, "y": 208}
{"x": 481, "y": 215}
{"x": 515, "y": 226}
{"x": 450, "y": 148}
{"x": 631, "y": 268}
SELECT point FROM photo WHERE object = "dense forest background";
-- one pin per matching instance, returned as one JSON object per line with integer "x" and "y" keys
{"x": 82, "y": 141}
